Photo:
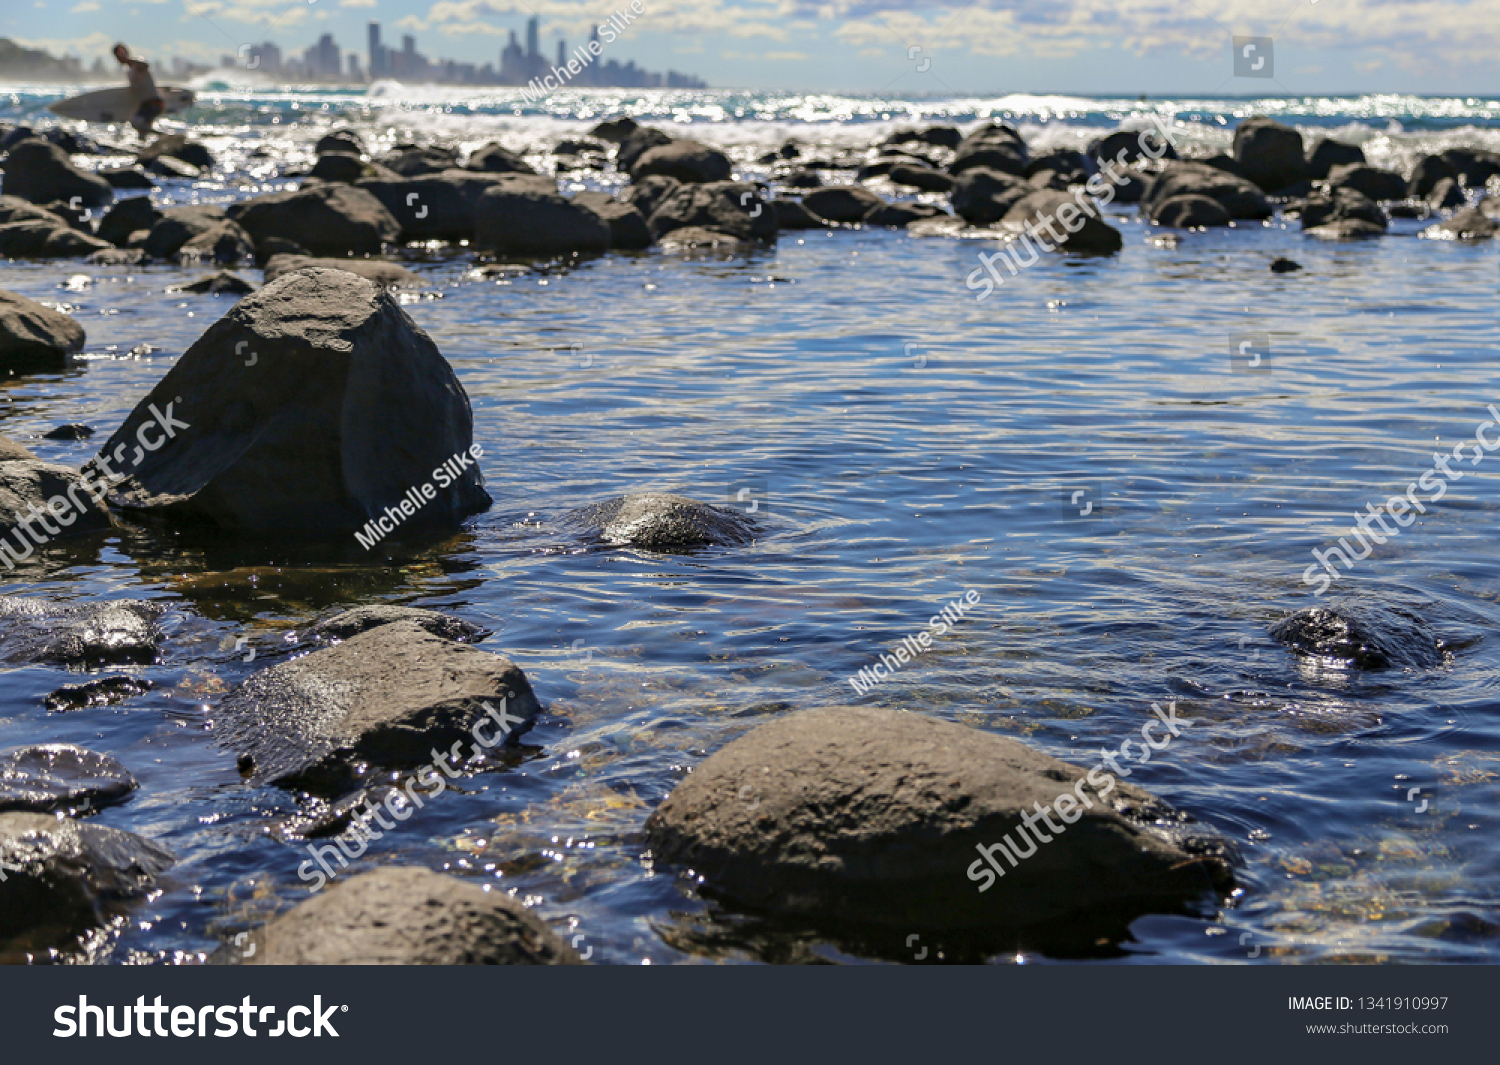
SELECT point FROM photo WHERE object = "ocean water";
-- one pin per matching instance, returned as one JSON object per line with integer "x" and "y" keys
{"x": 905, "y": 444}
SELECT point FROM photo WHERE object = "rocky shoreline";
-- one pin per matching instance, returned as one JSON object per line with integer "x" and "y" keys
{"x": 862, "y": 820}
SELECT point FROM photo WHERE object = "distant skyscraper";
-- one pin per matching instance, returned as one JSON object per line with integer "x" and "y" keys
{"x": 377, "y": 52}
{"x": 533, "y": 37}
{"x": 562, "y": 52}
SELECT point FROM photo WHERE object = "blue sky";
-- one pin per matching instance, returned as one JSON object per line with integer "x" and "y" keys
{"x": 1086, "y": 46}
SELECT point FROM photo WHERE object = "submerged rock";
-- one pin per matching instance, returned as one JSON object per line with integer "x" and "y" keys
{"x": 901, "y": 215}
{"x": 311, "y": 409}
{"x": 34, "y": 337}
{"x": 404, "y": 916}
{"x": 873, "y": 816}
{"x": 101, "y": 692}
{"x": 177, "y": 146}
{"x": 41, "y": 502}
{"x": 363, "y": 618}
{"x": 1371, "y": 637}
{"x": 80, "y": 634}
{"x": 1189, "y": 211}
{"x": 64, "y": 876}
{"x": 1468, "y": 224}
{"x": 1284, "y": 266}
{"x": 59, "y": 777}
{"x": 221, "y": 284}
{"x": 393, "y": 696}
{"x": 1343, "y": 212}
{"x": 41, "y": 172}
{"x": 39, "y": 239}
{"x": 659, "y": 521}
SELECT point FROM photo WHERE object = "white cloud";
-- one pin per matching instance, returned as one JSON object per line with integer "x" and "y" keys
{"x": 783, "y": 57}
{"x": 84, "y": 8}
{"x": 359, "y": 3}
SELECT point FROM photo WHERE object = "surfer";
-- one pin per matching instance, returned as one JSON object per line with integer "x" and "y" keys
{"x": 142, "y": 91}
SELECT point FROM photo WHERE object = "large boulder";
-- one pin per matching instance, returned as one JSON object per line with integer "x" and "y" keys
{"x": 1371, "y": 181}
{"x": 1366, "y": 635}
{"x": 177, "y": 225}
{"x": 647, "y": 196}
{"x": 1327, "y": 154}
{"x": 875, "y": 816}
{"x": 1343, "y": 212}
{"x": 615, "y": 130}
{"x": 637, "y": 143}
{"x": 61, "y": 778}
{"x": 126, "y": 218}
{"x": 87, "y": 634}
{"x": 1238, "y": 196}
{"x": 41, "y": 502}
{"x": 996, "y": 146}
{"x": 63, "y": 877}
{"x": 1473, "y": 166}
{"x": 982, "y": 196}
{"x": 844, "y": 204}
{"x": 41, "y": 239}
{"x": 1430, "y": 169}
{"x": 790, "y": 214}
{"x": 1090, "y": 232}
{"x": 685, "y": 160}
{"x": 1134, "y": 144}
{"x": 314, "y": 408}
{"x": 41, "y": 172}
{"x": 34, "y": 337}
{"x": 663, "y": 522}
{"x": 627, "y": 226}
{"x": 920, "y": 176}
{"x": 1269, "y": 154}
{"x": 225, "y": 244}
{"x": 1189, "y": 212}
{"x": 324, "y": 219}
{"x": 733, "y": 207}
{"x": 404, "y": 916}
{"x": 495, "y": 158}
{"x": 442, "y": 205}
{"x": 395, "y": 696}
{"x": 409, "y": 160}
{"x": 383, "y": 273}
{"x": 937, "y": 136}
{"x": 536, "y": 222}
{"x": 340, "y": 140}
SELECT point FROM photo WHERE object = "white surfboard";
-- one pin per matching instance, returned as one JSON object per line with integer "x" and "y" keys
{"x": 117, "y": 105}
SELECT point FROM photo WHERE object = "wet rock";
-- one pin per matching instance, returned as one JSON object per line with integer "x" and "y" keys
{"x": 1430, "y": 169}
{"x": 531, "y": 222}
{"x": 1069, "y": 166}
{"x": 873, "y": 816}
{"x": 404, "y": 916}
{"x": 646, "y": 196}
{"x": 79, "y": 634}
{"x": 177, "y": 146}
{"x": 901, "y": 215}
{"x": 41, "y": 502}
{"x": 325, "y": 219}
{"x": 61, "y": 778}
{"x": 390, "y": 696}
{"x": 1269, "y": 154}
{"x": 1468, "y": 224}
{"x": 1327, "y": 154}
{"x": 1343, "y": 212}
{"x": 996, "y": 146}
{"x": 842, "y": 203}
{"x": 178, "y": 225}
{"x": 64, "y": 876}
{"x": 340, "y": 140}
{"x": 15, "y": 209}
{"x": 1093, "y": 235}
{"x": 686, "y": 160}
{"x": 1490, "y": 207}
{"x": 38, "y": 171}
{"x": 1370, "y": 181}
{"x": 636, "y": 144}
{"x": 579, "y": 146}
{"x": 39, "y": 239}
{"x": 1367, "y": 636}
{"x": 660, "y": 521}
{"x": 105, "y": 691}
{"x": 1284, "y": 266}
{"x": 71, "y": 431}
{"x": 1473, "y": 166}
{"x": 117, "y": 257}
{"x": 382, "y": 273}
{"x": 10, "y": 451}
{"x": 731, "y": 207}
{"x": 363, "y": 618}
{"x": 412, "y": 161}
{"x": 347, "y": 167}
{"x": 225, "y": 243}
{"x": 790, "y": 214}
{"x": 310, "y": 409}
{"x": 496, "y": 159}
{"x": 692, "y": 238}
{"x": 126, "y": 217}
{"x": 1240, "y": 197}
{"x": 127, "y": 177}
{"x": 921, "y": 177}
{"x": 168, "y": 167}
{"x": 938, "y": 136}
{"x": 34, "y": 337}
{"x": 1132, "y": 144}
{"x": 982, "y": 196}
{"x": 1446, "y": 194}
{"x": 803, "y": 179}
{"x": 1189, "y": 211}
{"x": 614, "y": 130}
{"x": 442, "y": 205}
{"x": 220, "y": 284}
{"x": 627, "y": 226}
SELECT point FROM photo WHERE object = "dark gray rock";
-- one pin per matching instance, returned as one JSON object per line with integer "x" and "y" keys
{"x": 627, "y": 226}
{"x": 700, "y": 238}
{"x": 937, "y": 136}
{"x": 1238, "y": 196}
{"x": 104, "y": 691}
{"x": 404, "y": 916}
{"x": 686, "y": 160}
{"x": 335, "y": 220}
{"x": 535, "y": 223}
{"x": 340, "y": 140}
{"x": 168, "y": 167}
{"x": 63, "y": 877}
{"x": 311, "y": 408}
{"x": 126, "y": 217}
{"x": 804, "y": 179}
{"x": 220, "y": 284}
{"x": 1073, "y": 167}
{"x": 901, "y": 215}
{"x": 1332, "y": 211}
{"x": 494, "y": 158}
{"x": 1369, "y": 181}
{"x": 15, "y": 209}
{"x": 1189, "y": 212}
{"x": 411, "y": 161}
{"x": 736, "y": 208}
{"x": 1134, "y": 145}
{"x": 118, "y": 257}
{"x": 1430, "y": 169}
{"x": 378, "y": 271}
{"x": 442, "y": 205}
{"x": 10, "y": 451}
{"x": 1093, "y": 235}
{"x": 660, "y": 521}
{"x": 178, "y": 225}
{"x": 225, "y": 244}
{"x": 394, "y": 696}
{"x": 875, "y": 816}
{"x": 61, "y": 778}
{"x": 790, "y": 214}
{"x": 79, "y": 634}
{"x": 34, "y": 337}
{"x": 996, "y": 146}
{"x": 647, "y": 196}
{"x": 347, "y": 167}
{"x": 1473, "y": 166}
{"x": 1468, "y": 224}
{"x": 363, "y": 618}
{"x": 842, "y": 204}
{"x": 1364, "y": 635}
{"x": 1270, "y": 154}
{"x": 636, "y": 144}
{"x": 1284, "y": 266}
{"x": 1446, "y": 194}
{"x": 41, "y": 172}
{"x": 176, "y": 146}
{"x": 69, "y": 431}
{"x": 982, "y": 196}
{"x": 1327, "y": 154}
{"x": 921, "y": 177}
{"x": 38, "y": 239}
{"x": 614, "y": 130}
